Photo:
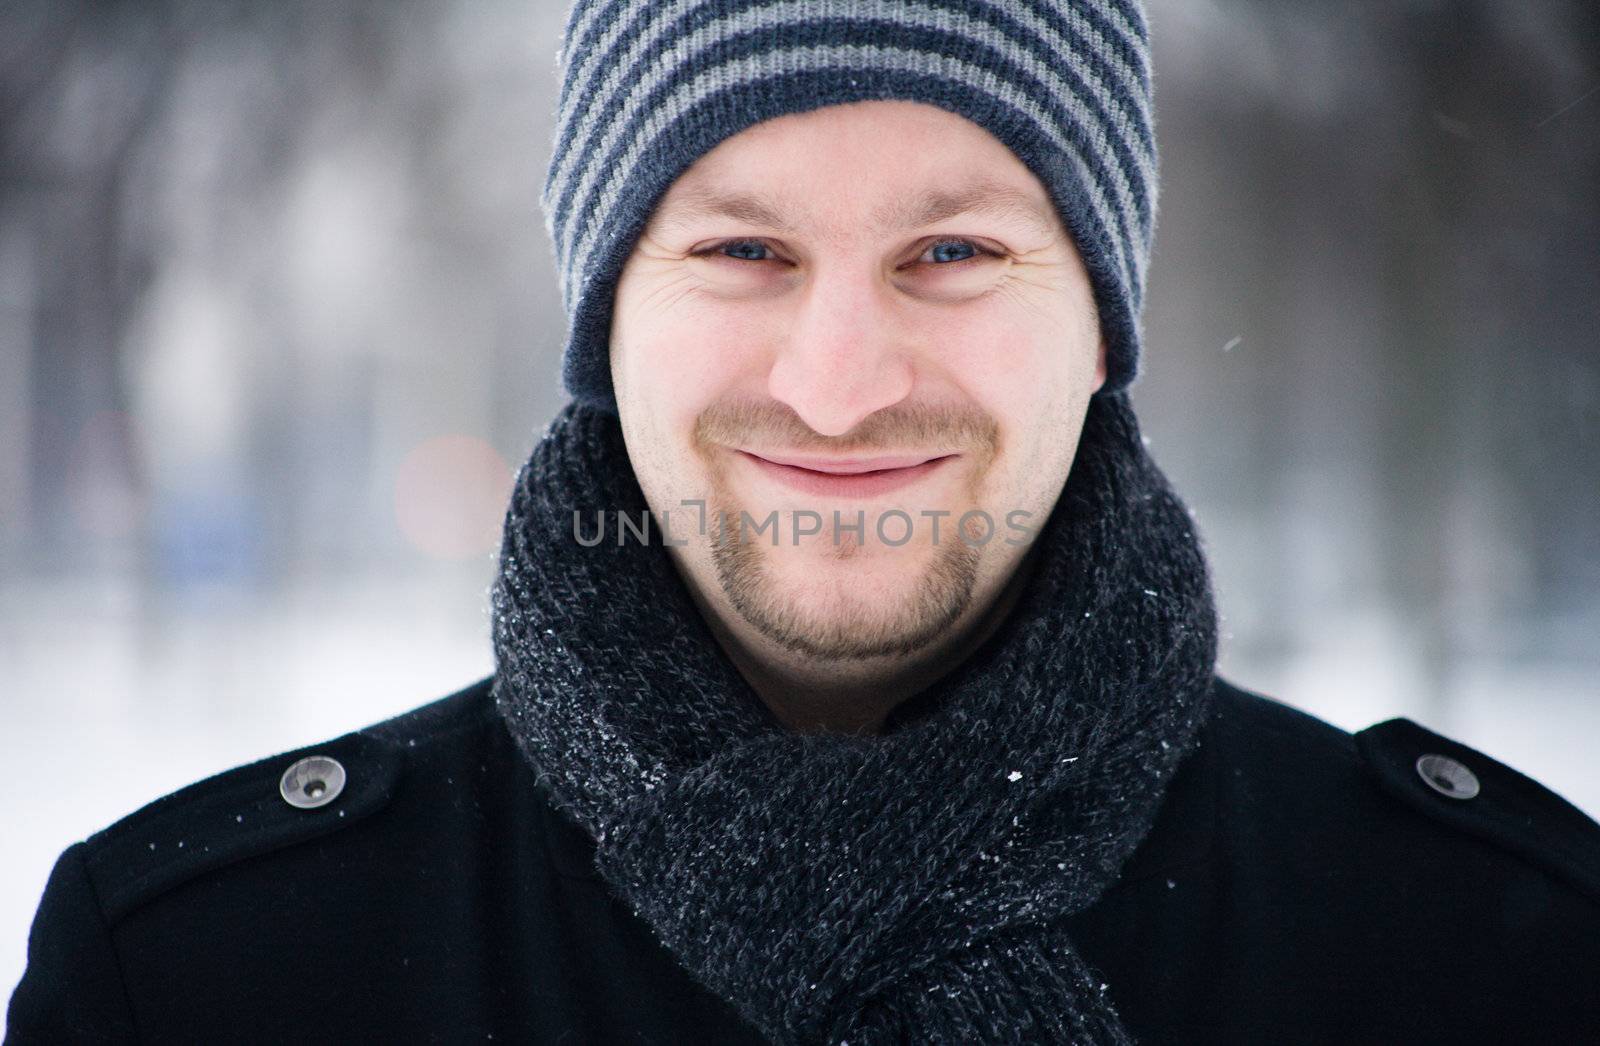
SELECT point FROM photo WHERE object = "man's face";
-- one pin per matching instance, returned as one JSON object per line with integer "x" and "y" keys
{"x": 881, "y": 291}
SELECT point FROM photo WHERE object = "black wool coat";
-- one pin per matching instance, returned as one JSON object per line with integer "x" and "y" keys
{"x": 1301, "y": 885}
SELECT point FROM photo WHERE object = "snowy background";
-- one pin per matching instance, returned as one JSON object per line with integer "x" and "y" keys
{"x": 277, "y": 319}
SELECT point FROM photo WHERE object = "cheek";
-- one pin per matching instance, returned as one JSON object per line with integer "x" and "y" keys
{"x": 694, "y": 352}
{"x": 1010, "y": 360}
{"x": 668, "y": 365}
{"x": 1032, "y": 372}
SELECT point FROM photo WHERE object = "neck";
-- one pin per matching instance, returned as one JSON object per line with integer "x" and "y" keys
{"x": 856, "y": 697}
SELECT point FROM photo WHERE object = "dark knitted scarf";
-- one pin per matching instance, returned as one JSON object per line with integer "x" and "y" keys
{"x": 907, "y": 887}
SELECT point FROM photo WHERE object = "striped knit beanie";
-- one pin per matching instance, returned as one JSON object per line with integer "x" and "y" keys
{"x": 649, "y": 86}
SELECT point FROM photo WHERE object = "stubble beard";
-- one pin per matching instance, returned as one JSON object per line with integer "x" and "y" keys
{"x": 841, "y": 626}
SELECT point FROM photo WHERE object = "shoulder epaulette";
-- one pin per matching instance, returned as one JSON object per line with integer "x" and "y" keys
{"x": 251, "y": 810}
{"x": 1460, "y": 786}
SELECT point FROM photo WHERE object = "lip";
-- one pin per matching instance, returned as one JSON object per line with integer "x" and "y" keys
{"x": 837, "y": 477}
{"x": 847, "y": 466}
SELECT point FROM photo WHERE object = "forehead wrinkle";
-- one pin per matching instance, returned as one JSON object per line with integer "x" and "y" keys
{"x": 925, "y": 208}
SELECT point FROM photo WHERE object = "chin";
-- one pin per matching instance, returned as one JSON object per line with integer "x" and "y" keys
{"x": 868, "y": 602}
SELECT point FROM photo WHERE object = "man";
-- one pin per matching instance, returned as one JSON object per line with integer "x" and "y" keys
{"x": 855, "y": 663}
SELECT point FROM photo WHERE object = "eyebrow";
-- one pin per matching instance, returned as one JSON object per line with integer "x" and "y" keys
{"x": 926, "y": 208}
{"x": 936, "y": 205}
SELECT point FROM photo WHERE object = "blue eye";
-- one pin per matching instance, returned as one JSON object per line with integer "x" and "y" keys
{"x": 950, "y": 251}
{"x": 945, "y": 253}
{"x": 745, "y": 250}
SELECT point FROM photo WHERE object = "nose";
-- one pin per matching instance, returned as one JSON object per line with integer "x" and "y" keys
{"x": 843, "y": 358}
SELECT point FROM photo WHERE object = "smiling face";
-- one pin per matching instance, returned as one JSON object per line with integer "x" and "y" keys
{"x": 867, "y": 313}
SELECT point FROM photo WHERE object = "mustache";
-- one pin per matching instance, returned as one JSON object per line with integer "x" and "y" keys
{"x": 900, "y": 427}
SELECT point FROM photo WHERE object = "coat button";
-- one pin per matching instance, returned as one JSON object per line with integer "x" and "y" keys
{"x": 1447, "y": 776}
{"x": 314, "y": 781}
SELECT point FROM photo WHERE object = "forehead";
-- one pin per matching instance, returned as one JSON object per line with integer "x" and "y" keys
{"x": 888, "y": 165}
{"x": 926, "y": 205}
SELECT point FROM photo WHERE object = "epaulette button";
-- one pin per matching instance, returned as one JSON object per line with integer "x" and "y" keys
{"x": 311, "y": 782}
{"x": 1447, "y": 776}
